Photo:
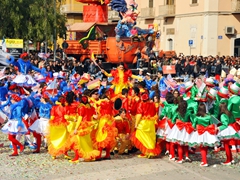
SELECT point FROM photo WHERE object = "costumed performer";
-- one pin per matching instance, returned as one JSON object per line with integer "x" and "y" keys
{"x": 15, "y": 125}
{"x": 40, "y": 126}
{"x": 205, "y": 136}
{"x": 227, "y": 131}
{"x": 104, "y": 135}
{"x": 144, "y": 137}
{"x": 233, "y": 107}
{"x": 123, "y": 137}
{"x": 58, "y": 137}
{"x": 181, "y": 131}
{"x": 24, "y": 66}
{"x": 165, "y": 124}
{"x": 81, "y": 139}
{"x": 120, "y": 77}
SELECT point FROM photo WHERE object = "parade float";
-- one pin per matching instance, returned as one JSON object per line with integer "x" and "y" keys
{"x": 123, "y": 39}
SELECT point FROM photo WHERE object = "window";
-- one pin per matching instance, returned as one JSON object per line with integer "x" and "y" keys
{"x": 169, "y": 2}
{"x": 194, "y": 1}
{"x": 151, "y": 3}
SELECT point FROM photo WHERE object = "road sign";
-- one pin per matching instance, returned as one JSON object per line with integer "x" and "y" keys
{"x": 220, "y": 37}
{"x": 64, "y": 45}
{"x": 190, "y": 42}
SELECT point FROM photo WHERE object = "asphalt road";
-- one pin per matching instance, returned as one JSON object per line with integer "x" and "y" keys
{"x": 130, "y": 167}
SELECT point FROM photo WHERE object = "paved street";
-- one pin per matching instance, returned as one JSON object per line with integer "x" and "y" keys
{"x": 41, "y": 166}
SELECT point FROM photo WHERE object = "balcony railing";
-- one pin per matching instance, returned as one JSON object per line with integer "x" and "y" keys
{"x": 147, "y": 13}
{"x": 113, "y": 15}
{"x": 71, "y": 8}
{"x": 166, "y": 10}
{"x": 236, "y": 6}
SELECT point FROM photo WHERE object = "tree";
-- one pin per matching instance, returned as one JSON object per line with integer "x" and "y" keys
{"x": 28, "y": 19}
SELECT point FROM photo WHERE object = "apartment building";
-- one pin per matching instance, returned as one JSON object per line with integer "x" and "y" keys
{"x": 200, "y": 27}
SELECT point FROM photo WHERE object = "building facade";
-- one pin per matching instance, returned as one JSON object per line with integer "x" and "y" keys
{"x": 199, "y": 27}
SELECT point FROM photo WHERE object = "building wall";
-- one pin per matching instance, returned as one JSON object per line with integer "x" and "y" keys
{"x": 204, "y": 23}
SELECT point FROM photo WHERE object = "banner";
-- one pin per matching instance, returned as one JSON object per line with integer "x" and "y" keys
{"x": 169, "y": 69}
{"x": 14, "y": 43}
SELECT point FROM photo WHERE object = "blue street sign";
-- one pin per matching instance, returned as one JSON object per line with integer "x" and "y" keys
{"x": 220, "y": 37}
{"x": 190, "y": 42}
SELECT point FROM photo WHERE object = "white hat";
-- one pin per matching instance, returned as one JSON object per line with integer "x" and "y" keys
{"x": 238, "y": 72}
{"x": 55, "y": 74}
{"x": 233, "y": 71}
{"x": 223, "y": 74}
{"x": 212, "y": 93}
{"x": 188, "y": 85}
{"x": 223, "y": 92}
{"x": 209, "y": 82}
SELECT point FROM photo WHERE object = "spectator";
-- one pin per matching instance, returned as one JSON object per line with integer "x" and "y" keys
{"x": 218, "y": 70}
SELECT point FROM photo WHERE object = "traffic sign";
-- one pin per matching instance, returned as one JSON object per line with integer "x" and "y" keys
{"x": 64, "y": 45}
{"x": 190, "y": 42}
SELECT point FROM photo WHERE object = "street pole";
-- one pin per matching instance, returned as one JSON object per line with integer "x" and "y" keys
{"x": 55, "y": 32}
{"x": 190, "y": 50}
{"x": 45, "y": 14}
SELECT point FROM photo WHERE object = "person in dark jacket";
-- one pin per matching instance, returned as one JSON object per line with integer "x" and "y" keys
{"x": 178, "y": 68}
{"x": 218, "y": 70}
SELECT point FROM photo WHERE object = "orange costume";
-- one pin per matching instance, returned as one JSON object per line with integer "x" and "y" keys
{"x": 123, "y": 128}
{"x": 81, "y": 139}
{"x": 58, "y": 138}
{"x": 120, "y": 80}
{"x": 144, "y": 138}
{"x": 104, "y": 135}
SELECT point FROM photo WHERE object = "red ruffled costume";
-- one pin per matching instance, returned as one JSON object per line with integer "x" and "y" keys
{"x": 104, "y": 135}
{"x": 58, "y": 138}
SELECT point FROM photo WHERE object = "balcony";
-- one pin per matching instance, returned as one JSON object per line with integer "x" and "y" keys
{"x": 166, "y": 10}
{"x": 148, "y": 13}
{"x": 235, "y": 6}
{"x": 71, "y": 8}
{"x": 113, "y": 16}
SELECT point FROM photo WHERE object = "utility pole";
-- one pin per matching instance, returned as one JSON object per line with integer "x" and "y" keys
{"x": 45, "y": 14}
{"x": 55, "y": 32}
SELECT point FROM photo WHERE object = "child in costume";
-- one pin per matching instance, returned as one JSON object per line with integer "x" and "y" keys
{"x": 81, "y": 139}
{"x": 227, "y": 131}
{"x": 58, "y": 138}
{"x": 165, "y": 125}
{"x": 135, "y": 100}
{"x": 40, "y": 126}
{"x": 15, "y": 125}
{"x": 106, "y": 132}
{"x": 144, "y": 137}
{"x": 205, "y": 136}
{"x": 123, "y": 137}
{"x": 181, "y": 131}
{"x": 233, "y": 107}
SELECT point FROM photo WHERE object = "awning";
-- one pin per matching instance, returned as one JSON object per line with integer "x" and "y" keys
{"x": 80, "y": 27}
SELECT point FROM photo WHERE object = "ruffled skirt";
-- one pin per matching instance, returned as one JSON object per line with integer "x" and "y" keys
{"x": 164, "y": 128}
{"x": 104, "y": 135}
{"x": 205, "y": 139}
{"x": 40, "y": 126}
{"x": 24, "y": 80}
{"x": 11, "y": 127}
{"x": 58, "y": 140}
{"x": 144, "y": 138}
{"x": 180, "y": 136}
{"x": 228, "y": 133}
